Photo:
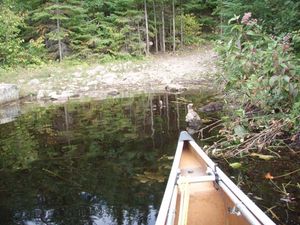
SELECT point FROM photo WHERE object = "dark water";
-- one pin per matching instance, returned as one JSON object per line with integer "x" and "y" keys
{"x": 105, "y": 162}
{"x": 279, "y": 197}
{"x": 100, "y": 162}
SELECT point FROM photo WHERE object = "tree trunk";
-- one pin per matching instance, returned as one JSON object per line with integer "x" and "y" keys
{"x": 147, "y": 28}
{"x": 181, "y": 26}
{"x": 59, "y": 40}
{"x": 163, "y": 28}
{"x": 155, "y": 27}
{"x": 58, "y": 32}
{"x": 160, "y": 38}
{"x": 140, "y": 40}
{"x": 174, "y": 31}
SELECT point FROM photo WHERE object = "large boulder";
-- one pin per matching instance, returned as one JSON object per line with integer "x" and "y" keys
{"x": 8, "y": 93}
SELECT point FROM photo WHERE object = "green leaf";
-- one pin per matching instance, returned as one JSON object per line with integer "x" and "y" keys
{"x": 235, "y": 18}
{"x": 240, "y": 131}
{"x": 251, "y": 33}
{"x": 261, "y": 156}
{"x": 235, "y": 165}
{"x": 286, "y": 78}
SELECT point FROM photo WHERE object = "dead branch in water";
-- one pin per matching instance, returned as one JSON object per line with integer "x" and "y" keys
{"x": 261, "y": 139}
{"x": 254, "y": 141}
{"x": 211, "y": 126}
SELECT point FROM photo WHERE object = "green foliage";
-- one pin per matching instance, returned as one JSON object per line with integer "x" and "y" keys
{"x": 10, "y": 43}
{"x": 192, "y": 29}
{"x": 295, "y": 113}
{"x": 203, "y": 11}
{"x": 97, "y": 28}
{"x": 63, "y": 22}
{"x": 260, "y": 66}
{"x": 276, "y": 16}
{"x": 77, "y": 29}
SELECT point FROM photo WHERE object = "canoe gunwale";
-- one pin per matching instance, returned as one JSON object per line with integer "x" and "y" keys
{"x": 169, "y": 191}
{"x": 172, "y": 210}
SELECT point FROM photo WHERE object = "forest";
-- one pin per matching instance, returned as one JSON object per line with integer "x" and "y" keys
{"x": 33, "y": 32}
{"x": 37, "y": 31}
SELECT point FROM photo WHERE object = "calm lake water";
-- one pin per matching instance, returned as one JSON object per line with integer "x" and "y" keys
{"x": 106, "y": 162}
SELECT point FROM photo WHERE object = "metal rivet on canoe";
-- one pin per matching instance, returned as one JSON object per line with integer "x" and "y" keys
{"x": 190, "y": 171}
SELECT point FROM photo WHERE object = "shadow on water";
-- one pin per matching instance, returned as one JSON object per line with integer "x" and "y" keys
{"x": 107, "y": 162}
{"x": 99, "y": 162}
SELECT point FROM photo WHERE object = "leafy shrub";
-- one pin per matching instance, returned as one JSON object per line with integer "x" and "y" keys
{"x": 10, "y": 43}
{"x": 260, "y": 66}
{"x": 275, "y": 16}
{"x": 192, "y": 29}
{"x": 13, "y": 50}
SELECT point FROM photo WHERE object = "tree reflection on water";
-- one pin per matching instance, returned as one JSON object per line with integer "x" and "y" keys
{"x": 99, "y": 162}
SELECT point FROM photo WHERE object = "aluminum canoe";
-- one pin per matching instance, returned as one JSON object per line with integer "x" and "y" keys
{"x": 199, "y": 193}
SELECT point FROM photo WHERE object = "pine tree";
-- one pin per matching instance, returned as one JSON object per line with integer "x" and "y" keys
{"x": 57, "y": 21}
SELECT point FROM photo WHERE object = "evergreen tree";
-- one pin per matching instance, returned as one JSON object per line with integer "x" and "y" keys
{"x": 61, "y": 24}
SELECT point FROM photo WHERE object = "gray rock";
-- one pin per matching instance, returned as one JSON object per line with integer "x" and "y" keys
{"x": 53, "y": 95}
{"x": 175, "y": 88}
{"x": 84, "y": 88}
{"x": 67, "y": 94}
{"x": 34, "y": 82}
{"x": 40, "y": 94}
{"x": 8, "y": 93}
{"x": 113, "y": 92}
{"x": 77, "y": 74}
{"x": 91, "y": 83}
{"x": 98, "y": 69}
{"x": 109, "y": 78}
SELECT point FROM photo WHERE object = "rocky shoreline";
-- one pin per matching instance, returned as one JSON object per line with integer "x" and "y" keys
{"x": 186, "y": 70}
